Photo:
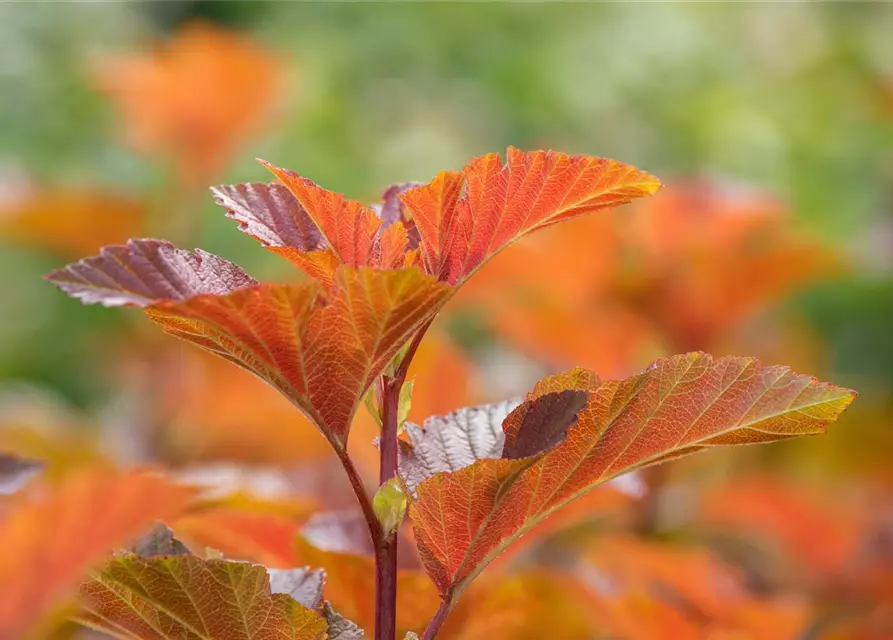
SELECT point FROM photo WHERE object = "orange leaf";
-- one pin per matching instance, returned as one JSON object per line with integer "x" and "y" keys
{"x": 272, "y": 215}
{"x": 351, "y": 233}
{"x": 219, "y": 412}
{"x": 454, "y": 233}
{"x": 318, "y": 230}
{"x": 186, "y": 596}
{"x": 321, "y": 349}
{"x": 322, "y": 354}
{"x": 765, "y": 507}
{"x": 72, "y": 221}
{"x": 528, "y": 606}
{"x": 244, "y": 529}
{"x": 195, "y": 97}
{"x": 503, "y": 202}
{"x": 678, "y": 406}
{"x": 694, "y": 583}
{"x": 53, "y": 535}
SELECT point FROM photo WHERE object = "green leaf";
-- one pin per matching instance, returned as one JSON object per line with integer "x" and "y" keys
{"x": 372, "y": 405}
{"x": 389, "y": 505}
{"x": 404, "y": 404}
{"x": 187, "y": 597}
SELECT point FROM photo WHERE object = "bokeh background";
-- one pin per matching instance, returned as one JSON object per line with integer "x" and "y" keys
{"x": 771, "y": 126}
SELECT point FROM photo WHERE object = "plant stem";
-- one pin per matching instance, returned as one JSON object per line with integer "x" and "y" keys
{"x": 386, "y": 548}
{"x": 362, "y": 497}
{"x": 437, "y": 621}
{"x": 386, "y": 589}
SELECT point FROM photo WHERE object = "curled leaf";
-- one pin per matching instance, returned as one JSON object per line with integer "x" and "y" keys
{"x": 353, "y": 233}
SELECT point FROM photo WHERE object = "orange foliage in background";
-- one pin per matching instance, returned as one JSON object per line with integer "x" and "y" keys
{"x": 214, "y": 411}
{"x": 194, "y": 98}
{"x": 676, "y": 272}
{"x": 69, "y": 220}
{"x": 53, "y": 534}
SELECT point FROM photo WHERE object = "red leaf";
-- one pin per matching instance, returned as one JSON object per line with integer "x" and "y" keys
{"x": 503, "y": 202}
{"x": 321, "y": 349}
{"x": 53, "y": 535}
{"x": 678, "y": 406}
{"x": 353, "y": 232}
{"x": 455, "y": 233}
{"x": 321, "y": 353}
{"x": 272, "y": 215}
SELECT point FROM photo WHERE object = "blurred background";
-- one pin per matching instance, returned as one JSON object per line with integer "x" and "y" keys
{"x": 771, "y": 126}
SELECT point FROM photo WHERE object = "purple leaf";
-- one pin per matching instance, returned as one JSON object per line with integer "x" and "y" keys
{"x": 146, "y": 271}
{"x": 271, "y": 214}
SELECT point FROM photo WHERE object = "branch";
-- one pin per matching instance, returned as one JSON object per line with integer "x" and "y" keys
{"x": 362, "y": 497}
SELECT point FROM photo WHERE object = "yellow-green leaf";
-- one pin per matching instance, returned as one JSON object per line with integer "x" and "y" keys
{"x": 389, "y": 504}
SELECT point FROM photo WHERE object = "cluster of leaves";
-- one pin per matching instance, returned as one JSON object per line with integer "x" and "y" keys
{"x": 476, "y": 479}
{"x": 674, "y": 273}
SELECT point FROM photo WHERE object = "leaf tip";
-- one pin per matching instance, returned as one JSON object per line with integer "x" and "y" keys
{"x": 650, "y": 184}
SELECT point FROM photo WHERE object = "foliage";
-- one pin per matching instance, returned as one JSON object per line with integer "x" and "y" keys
{"x": 475, "y": 479}
{"x": 552, "y": 513}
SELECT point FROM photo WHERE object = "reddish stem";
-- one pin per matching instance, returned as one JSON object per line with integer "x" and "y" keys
{"x": 362, "y": 497}
{"x": 386, "y": 548}
{"x": 437, "y": 621}
{"x": 390, "y": 404}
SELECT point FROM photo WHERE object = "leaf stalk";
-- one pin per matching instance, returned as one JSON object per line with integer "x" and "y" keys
{"x": 437, "y": 621}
